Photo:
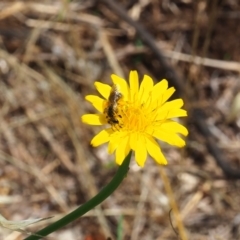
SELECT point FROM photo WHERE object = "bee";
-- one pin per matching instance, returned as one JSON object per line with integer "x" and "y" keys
{"x": 111, "y": 109}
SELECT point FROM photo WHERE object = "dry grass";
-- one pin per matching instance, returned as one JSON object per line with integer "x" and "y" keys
{"x": 50, "y": 55}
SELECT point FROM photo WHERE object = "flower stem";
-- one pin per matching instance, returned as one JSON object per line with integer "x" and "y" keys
{"x": 100, "y": 197}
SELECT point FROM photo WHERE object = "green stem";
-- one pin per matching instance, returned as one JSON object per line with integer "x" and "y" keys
{"x": 100, "y": 197}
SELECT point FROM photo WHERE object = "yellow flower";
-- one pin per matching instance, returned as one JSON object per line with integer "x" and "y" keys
{"x": 135, "y": 116}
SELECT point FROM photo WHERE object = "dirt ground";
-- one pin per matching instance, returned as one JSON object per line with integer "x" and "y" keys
{"x": 51, "y": 52}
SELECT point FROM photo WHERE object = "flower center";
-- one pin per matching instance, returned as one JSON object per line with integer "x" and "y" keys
{"x": 130, "y": 117}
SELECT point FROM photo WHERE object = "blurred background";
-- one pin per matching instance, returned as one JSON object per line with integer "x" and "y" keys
{"x": 51, "y": 52}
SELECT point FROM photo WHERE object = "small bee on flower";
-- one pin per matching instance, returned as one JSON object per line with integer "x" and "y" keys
{"x": 138, "y": 114}
{"x": 111, "y": 109}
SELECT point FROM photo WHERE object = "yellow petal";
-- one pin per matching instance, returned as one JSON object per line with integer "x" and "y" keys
{"x": 158, "y": 90}
{"x": 145, "y": 89}
{"x": 97, "y": 102}
{"x": 171, "y": 110}
{"x": 101, "y": 137}
{"x": 168, "y": 94}
{"x": 174, "y": 127}
{"x": 176, "y": 103}
{"x": 141, "y": 151}
{"x": 124, "y": 88}
{"x": 114, "y": 141}
{"x": 134, "y": 85}
{"x": 94, "y": 119}
{"x": 170, "y": 138}
{"x": 103, "y": 89}
{"x": 166, "y": 108}
{"x": 169, "y": 115}
{"x": 133, "y": 141}
{"x": 122, "y": 150}
{"x": 176, "y": 113}
{"x": 155, "y": 151}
